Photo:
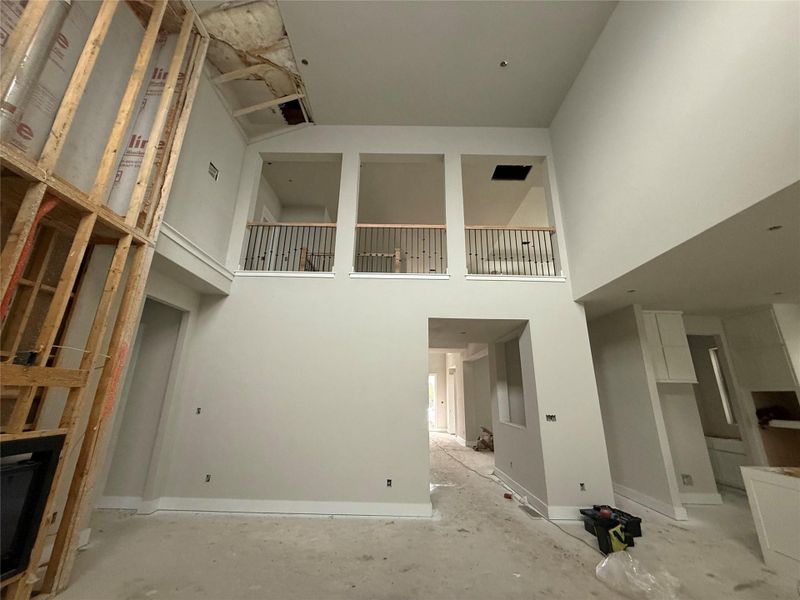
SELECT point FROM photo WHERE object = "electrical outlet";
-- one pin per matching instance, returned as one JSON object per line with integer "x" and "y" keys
{"x": 583, "y": 486}
{"x": 388, "y": 483}
{"x": 208, "y": 477}
{"x": 550, "y": 418}
{"x": 687, "y": 479}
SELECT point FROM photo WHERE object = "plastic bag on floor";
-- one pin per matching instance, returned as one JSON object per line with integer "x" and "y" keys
{"x": 624, "y": 574}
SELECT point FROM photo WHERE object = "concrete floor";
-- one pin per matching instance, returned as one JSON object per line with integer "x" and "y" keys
{"x": 478, "y": 545}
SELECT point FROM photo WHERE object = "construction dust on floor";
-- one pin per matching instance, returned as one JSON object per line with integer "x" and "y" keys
{"x": 478, "y": 545}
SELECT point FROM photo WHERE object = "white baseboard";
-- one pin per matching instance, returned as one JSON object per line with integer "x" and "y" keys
{"x": 625, "y": 494}
{"x": 552, "y": 512}
{"x": 462, "y": 441}
{"x": 119, "y": 502}
{"x": 300, "y": 507}
{"x": 700, "y": 498}
{"x": 142, "y": 507}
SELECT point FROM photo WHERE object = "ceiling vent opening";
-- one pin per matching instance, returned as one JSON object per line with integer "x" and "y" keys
{"x": 511, "y": 172}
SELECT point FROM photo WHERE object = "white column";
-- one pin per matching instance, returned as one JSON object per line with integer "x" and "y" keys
{"x": 245, "y": 201}
{"x": 347, "y": 214}
{"x": 454, "y": 216}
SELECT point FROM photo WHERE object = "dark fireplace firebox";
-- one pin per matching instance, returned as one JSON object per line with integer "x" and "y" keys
{"x": 27, "y": 467}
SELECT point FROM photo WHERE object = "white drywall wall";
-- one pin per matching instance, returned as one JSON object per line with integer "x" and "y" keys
{"x": 157, "y": 338}
{"x": 313, "y": 390}
{"x": 199, "y": 207}
{"x": 437, "y": 365}
{"x": 455, "y": 360}
{"x": 520, "y": 452}
{"x": 684, "y": 114}
{"x": 638, "y": 448}
{"x": 268, "y": 204}
{"x": 477, "y": 398}
{"x": 788, "y": 318}
{"x": 686, "y": 442}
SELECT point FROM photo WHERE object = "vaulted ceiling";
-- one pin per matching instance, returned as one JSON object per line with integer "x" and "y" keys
{"x": 438, "y": 62}
{"x": 393, "y": 62}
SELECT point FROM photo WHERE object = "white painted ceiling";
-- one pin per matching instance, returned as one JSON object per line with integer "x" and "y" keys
{"x": 305, "y": 179}
{"x": 457, "y": 333}
{"x": 401, "y": 189}
{"x": 734, "y": 265}
{"x": 437, "y": 62}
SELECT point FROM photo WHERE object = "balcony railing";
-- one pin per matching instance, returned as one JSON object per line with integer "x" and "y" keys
{"x": 524, "y": 251}
{"x": 290, "y": 247}
{"x": 401, "y": 249}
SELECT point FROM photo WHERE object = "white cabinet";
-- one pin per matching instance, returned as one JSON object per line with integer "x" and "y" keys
{"x": 668, "y": 347}
{"x": 759, "y": 353}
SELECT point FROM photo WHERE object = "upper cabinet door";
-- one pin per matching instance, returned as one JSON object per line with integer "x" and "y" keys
{"x": 653, "y": 340}
{"x": 670, "y": 327}
{"x": 669, "y": 347}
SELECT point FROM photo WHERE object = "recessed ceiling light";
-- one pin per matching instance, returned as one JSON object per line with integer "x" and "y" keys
{"x": 774, "y": 227}
{"x": 304, "y": 61}
{"x": 503, "y": 63}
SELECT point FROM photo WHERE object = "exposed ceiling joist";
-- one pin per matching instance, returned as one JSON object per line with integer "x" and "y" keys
{"x": 268, "y": 104}
{"x": 242, "y": 73}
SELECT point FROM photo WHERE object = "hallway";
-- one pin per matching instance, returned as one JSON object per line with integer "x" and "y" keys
{"x": 477, "y": 545}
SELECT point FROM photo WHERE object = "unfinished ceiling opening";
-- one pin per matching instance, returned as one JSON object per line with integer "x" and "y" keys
{"x": 253, "y": 65}
{"x": 505, "y": 191}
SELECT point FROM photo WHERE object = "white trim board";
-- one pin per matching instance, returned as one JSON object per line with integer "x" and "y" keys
{"x": 287, "y": 274}
{"x": 421, "y": 276}
{"x": 461, "y": 441}
{"x": 299, "y": 507}
{"x": 700, "y": 498}
{"x": 626, "y": 495}
{"x": 539, "y": 278}
{"x": 551, "y": 512}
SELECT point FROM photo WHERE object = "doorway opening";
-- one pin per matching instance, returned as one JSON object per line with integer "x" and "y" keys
{"x": 136, "y": 439}
{"x": 481, "y": 385}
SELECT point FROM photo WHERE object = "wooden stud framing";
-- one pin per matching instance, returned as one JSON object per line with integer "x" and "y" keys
{"x": 128, "y": 104}
{"x": 89, "y": 221}
{"x": 23, "y": 305}
{"x": 242, "y": 73}
{"x": 146, "y": 169}
{"x": 77, "y": 509}
{"x": 55, "y": 313}
{"x": 268, "y": 104}
{"x": 193, "y": 75}
{"x": 77, "y": 85}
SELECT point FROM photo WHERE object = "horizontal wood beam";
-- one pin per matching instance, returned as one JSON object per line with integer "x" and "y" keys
{"x": 241, "y": 73}
{"x": 506, "y": 228}
{"x": 30, "y": 435}
{"x": 268, "y": 104}
{"x": 398, "y": 226}
{"x": 267, "y": 224}
{"x": 43, "y": 376}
